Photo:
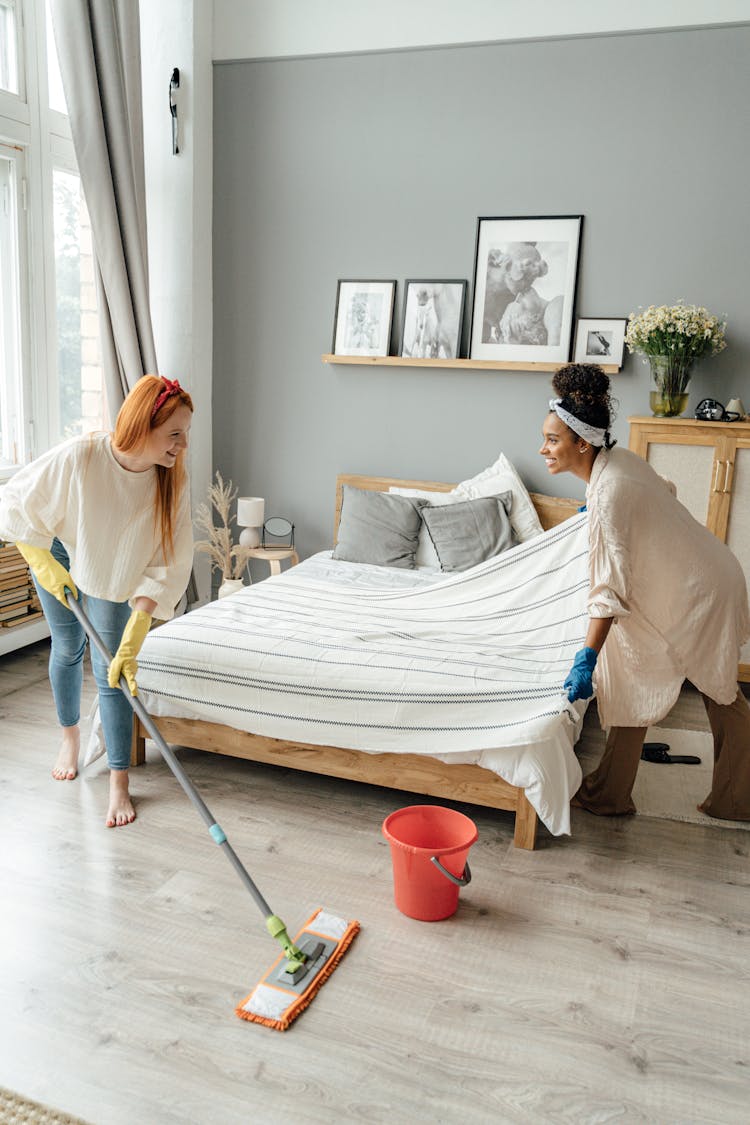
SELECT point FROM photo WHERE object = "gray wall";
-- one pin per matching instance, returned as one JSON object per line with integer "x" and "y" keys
{"x": 378, "y": 166}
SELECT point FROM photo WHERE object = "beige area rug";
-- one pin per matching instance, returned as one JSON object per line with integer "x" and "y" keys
{"x": 15, "y": 1110}
{"x": 669, "y": 792}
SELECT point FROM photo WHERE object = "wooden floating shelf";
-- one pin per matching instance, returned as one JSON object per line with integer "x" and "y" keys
{"x": 454, "y": 364}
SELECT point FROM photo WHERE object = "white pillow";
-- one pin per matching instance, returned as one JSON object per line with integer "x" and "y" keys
{"x": 426, "y": 555}
{"x": 499, "y": 478}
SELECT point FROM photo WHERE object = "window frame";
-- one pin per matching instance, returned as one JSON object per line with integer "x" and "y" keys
{"x": 18, "y": 24}
{"x": 43, "y": 138}
{"x": 18, "y": 394}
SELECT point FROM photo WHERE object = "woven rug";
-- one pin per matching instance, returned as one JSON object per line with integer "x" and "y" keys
{"x": 668, "y": 792}
{"x": 16, "y": 1110}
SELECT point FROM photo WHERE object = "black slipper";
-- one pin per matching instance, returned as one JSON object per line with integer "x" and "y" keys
{"x": 659, "y": 752}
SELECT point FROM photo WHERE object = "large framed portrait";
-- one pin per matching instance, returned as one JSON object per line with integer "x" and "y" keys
{"x": 525, "y": 273}
{"x": 600, "y": 340}
{"x": 433, "y": 318}
{"x": 363, "y": 318}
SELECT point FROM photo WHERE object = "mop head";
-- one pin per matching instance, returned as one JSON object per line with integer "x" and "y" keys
{"x": 278, "y": 999}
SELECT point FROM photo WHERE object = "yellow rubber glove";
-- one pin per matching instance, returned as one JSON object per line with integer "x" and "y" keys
{"x": 49, "y": 573}
{"x": 124, "y": 661}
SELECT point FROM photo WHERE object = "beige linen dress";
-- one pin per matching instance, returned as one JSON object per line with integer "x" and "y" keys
{"x": 677, "y": 594}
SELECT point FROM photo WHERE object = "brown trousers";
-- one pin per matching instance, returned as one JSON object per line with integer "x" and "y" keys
{"x": 608, "y": 790}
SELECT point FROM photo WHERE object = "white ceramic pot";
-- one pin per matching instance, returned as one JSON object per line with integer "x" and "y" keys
{"x": 230, "y": 586}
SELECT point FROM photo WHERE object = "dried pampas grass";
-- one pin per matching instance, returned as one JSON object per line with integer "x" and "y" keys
{"x": 226, "y": 556}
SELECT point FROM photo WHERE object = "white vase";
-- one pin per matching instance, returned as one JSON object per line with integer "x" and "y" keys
{"x": 230, "y": 586}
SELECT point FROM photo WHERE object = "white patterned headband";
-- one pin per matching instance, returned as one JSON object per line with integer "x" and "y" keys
{"x": 589, "y": 433}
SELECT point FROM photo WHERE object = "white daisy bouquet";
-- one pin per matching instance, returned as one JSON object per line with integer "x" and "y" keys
{"x": 682, "y": 331}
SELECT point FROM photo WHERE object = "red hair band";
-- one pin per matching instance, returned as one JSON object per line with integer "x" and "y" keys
{"x": 171, "y": 387}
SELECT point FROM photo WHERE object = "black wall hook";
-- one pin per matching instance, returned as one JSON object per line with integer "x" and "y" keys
{"x": 174, "y": 85}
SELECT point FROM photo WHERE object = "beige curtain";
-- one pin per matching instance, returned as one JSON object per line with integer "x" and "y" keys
{"x": 98, "y": 45}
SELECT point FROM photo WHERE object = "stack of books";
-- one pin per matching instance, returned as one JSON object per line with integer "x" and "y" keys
{"x": 18, "y": 601}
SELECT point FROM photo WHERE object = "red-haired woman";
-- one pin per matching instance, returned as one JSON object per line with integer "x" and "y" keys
{"x": 108, "y": 517}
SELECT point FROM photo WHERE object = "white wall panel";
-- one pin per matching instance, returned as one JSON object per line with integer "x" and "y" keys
{"x": 253, "y": 29}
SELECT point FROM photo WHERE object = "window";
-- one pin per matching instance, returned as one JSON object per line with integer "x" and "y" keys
{"x": 79, "y": 372}
{"x": 51, "y": 384}
{"x": 11, "y": 411}
{"x": 8, "y": 47}
{"x": 54, "y": 78}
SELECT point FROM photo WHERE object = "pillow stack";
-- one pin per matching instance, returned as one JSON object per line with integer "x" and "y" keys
{"x": 448, "y": 531}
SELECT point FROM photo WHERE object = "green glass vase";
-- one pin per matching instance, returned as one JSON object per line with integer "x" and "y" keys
{"x": 670, "y": 376}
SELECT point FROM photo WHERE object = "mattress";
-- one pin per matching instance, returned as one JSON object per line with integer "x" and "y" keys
{"x": 464, "y": 668}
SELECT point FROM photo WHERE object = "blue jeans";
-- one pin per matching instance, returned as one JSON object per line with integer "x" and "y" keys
{"x": 66, "y": 664}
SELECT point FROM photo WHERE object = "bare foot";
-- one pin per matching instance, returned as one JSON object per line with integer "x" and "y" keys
{"x": 66, "y": 766}
{"x": 121, "y": 809}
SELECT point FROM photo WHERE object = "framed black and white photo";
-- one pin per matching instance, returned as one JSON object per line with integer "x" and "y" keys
{"x": 600, "y": 340}
{"x": 363, "y": 319}
{"x": 433, "y": 318}
{"x": 525, "y": 274}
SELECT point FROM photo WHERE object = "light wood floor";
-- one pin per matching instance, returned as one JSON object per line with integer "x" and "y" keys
{"x": 600, "y": 978}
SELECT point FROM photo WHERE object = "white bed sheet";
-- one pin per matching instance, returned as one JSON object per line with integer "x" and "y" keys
{"x": 465, "y": 668}
{"x": 324, "y": 568}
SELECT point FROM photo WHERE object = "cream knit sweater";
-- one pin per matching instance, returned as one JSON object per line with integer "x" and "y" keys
{"x": 104, "y": 515}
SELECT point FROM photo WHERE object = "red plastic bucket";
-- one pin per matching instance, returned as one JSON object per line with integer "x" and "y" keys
{"x": 429, "y": 846}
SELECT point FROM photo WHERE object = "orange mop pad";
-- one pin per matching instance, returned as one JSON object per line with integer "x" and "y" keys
{"x": 284, "y": 991}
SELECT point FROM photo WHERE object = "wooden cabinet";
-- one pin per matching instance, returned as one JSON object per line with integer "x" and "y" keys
{"x": 709, "y": 463}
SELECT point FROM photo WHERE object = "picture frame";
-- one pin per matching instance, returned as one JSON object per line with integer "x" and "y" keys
{"x": 525, "y": 281}
{"x": 600, "y": 340}
{"x": 433, "y": 319}
{"x": 364, "y": 317}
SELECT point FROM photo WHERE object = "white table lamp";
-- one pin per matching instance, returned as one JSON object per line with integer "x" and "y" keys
{"x": 250, "y": 513}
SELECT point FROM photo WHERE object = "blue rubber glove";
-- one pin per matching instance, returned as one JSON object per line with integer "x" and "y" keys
{"x": 578, "y": 682}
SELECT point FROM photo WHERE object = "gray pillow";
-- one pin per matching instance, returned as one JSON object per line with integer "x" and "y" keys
{"x": 470, "y": 531}
{"x": 379, "y": 528}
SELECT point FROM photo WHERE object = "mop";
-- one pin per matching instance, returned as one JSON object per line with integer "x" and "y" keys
{"x": 306, "y": 962}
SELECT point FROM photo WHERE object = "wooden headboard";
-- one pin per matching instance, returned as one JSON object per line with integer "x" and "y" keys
{"x": 551, "y": 510}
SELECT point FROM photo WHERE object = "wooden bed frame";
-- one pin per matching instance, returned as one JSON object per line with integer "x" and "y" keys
{"x": 411, "y": 772}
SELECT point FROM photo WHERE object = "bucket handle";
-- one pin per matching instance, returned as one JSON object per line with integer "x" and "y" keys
{"x": 459, "y": 880}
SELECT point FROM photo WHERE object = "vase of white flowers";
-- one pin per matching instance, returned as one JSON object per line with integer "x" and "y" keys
{"x": 228, "y": 557}
{"x": 671, "y": 338}
{"x": 670, "y": 391}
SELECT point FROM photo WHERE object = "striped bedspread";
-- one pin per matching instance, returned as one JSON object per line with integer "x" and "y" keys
{"x": 466, "y": 669}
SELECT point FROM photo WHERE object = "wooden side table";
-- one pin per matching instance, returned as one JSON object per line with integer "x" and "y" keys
{"x": 274, "y": 556}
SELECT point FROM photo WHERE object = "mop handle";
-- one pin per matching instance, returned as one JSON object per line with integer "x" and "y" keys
{"x": 214, "y": 829}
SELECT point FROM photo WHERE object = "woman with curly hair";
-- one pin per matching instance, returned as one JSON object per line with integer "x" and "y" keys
{"x": 107, "y": 516}
{"x": 667, "y": 602}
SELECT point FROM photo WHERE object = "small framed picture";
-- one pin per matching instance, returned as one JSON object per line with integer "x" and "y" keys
{"x": 363, "y": 319}
{"x": 433, "y": 318}
{"x": 600, "y": 340}
{"x": 525, "y": 276}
